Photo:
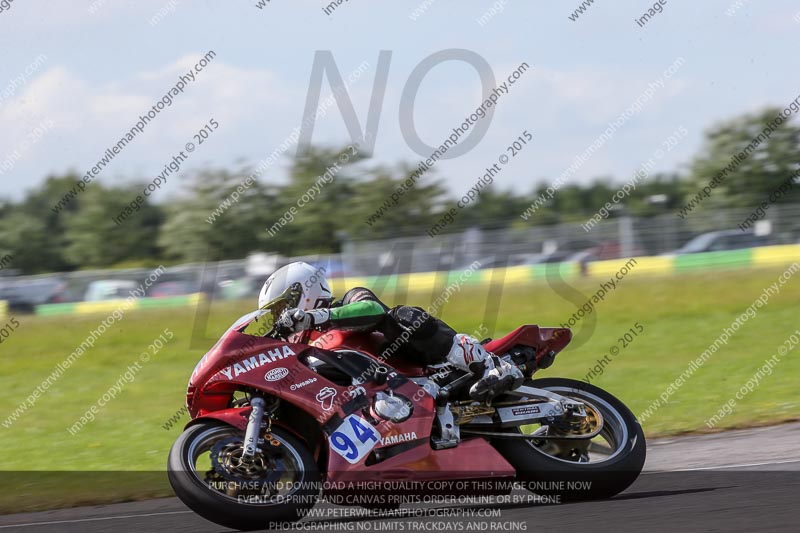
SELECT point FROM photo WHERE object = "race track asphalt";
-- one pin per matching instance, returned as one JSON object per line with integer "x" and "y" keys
{"x": 746, "y": 480}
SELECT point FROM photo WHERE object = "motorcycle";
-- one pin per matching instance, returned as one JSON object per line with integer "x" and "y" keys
{"x": 280, "y": 421}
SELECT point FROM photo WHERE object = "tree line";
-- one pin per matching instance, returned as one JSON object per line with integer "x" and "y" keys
{"x": 85, "y": 235}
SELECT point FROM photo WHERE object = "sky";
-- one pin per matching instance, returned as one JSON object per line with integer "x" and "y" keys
{"x": 75, "y": 76}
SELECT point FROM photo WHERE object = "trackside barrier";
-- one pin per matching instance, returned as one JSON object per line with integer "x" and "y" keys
{"x": 107, "y": 306}
{"x": 767, "y": 256}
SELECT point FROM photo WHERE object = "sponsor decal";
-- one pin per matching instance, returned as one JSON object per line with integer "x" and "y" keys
{"x": 353, "y": 439}
{"x": 397, "y": 439}
{"x": 527, "y": 410}
{"x": 325, "y": 397}
{"x": 276, "y": 374}
{"x": 257, "y": 361}
{"x": 295, "y": 386}
{"x": 356, "y": 391}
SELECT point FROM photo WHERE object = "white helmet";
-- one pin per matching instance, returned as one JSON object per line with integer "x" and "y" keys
{"x": 313, "y": 287}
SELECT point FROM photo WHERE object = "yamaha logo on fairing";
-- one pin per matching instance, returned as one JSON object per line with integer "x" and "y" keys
{"x": 256, "y": 361}
{"x": 397, "y": 439}
{"x": 276, "y": 374}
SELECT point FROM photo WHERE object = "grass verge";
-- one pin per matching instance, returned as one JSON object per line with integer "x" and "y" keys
{"x": 679, "y": 317}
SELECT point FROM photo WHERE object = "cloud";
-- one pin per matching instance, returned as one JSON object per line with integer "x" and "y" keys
{"x": 601, "y": 94}
{"x": 89, "y": 116}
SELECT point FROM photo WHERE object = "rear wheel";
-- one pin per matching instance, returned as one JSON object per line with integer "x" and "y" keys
{"x": 206, "y": 471}
{"x": 579, "y": 469}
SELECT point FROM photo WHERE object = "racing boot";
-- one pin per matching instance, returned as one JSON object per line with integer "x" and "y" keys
{"x": 498, "y": 375}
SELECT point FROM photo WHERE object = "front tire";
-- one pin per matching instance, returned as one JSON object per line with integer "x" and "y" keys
{"x": 208, "y": 493}
{"x": 574, "y": 476}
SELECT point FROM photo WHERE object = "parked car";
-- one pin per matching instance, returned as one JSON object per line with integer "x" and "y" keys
{"x": 716, "y": 241}
{"x": 108, "y": 289}
{"x": 604, "y": 251}
{"x": 25, "y": 294}
{"x": 333, "y": 267}
{"x": 174, "y": 288}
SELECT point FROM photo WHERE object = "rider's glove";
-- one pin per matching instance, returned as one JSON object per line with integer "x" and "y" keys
{"x": 297, "y": 320}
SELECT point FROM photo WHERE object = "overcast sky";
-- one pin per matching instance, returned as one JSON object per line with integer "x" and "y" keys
{"x": 103, "y": 69}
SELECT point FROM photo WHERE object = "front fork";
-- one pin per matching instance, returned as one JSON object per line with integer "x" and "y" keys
{"x": 253, "y": 429}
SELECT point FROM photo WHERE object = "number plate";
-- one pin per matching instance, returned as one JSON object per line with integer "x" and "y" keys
{"x": 353, "y": 439}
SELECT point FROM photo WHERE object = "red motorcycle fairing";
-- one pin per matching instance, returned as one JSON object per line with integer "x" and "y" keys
{"x": 543, "y": 340}
{"x": 236, "y": 354}
{"x": 235, "y": 416}
{"x": 369, "y": 343}
{"x": 360, "y": 445}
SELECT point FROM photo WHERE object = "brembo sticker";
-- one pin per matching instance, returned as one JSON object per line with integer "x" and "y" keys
{"x": 256, "y": 361}
{"x": 295, "y": 386}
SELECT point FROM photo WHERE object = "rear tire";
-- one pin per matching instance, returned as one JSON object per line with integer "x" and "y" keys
{"x": 545, "y": 474}
{"x": 226, "y": 511}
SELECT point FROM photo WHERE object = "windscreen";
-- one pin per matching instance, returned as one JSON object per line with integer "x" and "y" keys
{"x": 264, "y": 319}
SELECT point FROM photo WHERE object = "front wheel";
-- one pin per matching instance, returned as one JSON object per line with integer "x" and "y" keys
{"x": 579, "y": 469}
{"x": 207, "y": 473}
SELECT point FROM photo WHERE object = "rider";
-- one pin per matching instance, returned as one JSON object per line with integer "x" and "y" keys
{"x": 427, "y": 338}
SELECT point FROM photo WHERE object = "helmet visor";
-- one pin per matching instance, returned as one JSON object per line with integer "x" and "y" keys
{"x": 273, "y": 309}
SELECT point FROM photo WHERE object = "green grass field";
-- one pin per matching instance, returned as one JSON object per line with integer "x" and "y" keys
{"x": 681, "y": 317}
